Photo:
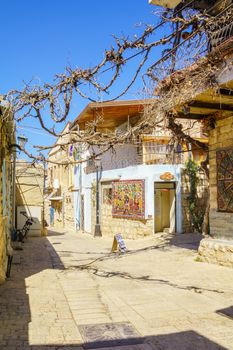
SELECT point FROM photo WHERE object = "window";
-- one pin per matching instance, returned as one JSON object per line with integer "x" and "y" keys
{"x": 107, "y": 193}
{"x": 154, "y": 152}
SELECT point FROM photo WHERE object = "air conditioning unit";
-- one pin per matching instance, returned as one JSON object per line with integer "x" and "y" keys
{"x": 56, "y": 184}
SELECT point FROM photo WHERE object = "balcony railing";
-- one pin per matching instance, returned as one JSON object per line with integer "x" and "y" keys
{"x": 220, "y": 29}
{"x": 155, "y": 153}
{"x": 146, "y": 153}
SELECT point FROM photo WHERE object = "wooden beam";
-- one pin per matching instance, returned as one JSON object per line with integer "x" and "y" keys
{"x": 226, "y": 92}
{"x": 212, "y": 106}
{"x": 194, "y": 116}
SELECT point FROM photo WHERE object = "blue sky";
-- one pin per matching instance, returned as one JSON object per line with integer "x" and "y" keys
{"x": 40, "y": 38}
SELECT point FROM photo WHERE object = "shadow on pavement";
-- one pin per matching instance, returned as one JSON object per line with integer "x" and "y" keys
{"x": 56, "y": 233}
{"x": 186, "y": 240}
{"x": 227, "y": 312}
{"x": 15, "y": 313}
{"x": 188, "y": 340}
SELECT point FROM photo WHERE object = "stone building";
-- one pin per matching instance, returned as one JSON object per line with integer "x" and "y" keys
{"x": 219, "y": 248}
{"x": 144, "y": 164}
{"x": 7, "y": 154}
{"x": 59, "y": 202}
{"x": 213, "y": 103}
{"x": 155, "y": 182}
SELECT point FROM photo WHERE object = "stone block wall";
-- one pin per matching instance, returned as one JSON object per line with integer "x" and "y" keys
{"x": 64, "y": 211}
{"x": 216, "y": 252}
{"x": 221, "y": 224}
{"x": 3, "y": 256}
{"x": 63, "y": 177}
{"x": 129, "y": 228}
{"x": 69, "y": 210}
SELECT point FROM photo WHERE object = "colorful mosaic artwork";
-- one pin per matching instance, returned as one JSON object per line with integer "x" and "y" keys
{"x": 224, "y": 159}
{"x": 129, "y": 199}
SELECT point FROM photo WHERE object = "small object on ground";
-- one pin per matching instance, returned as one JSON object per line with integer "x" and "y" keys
{"x": 118, "y": 244}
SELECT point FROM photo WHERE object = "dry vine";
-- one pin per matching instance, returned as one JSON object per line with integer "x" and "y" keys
{"x": 184, "y": 28}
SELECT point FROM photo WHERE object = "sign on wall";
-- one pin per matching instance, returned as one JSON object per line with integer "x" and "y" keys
{"x": 224, "y": 160}
{"x": 167, "y": 176}
{"x": 128, "y": 199}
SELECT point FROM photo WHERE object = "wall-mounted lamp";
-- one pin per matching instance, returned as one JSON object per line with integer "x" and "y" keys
{"x": 22, "y": 140}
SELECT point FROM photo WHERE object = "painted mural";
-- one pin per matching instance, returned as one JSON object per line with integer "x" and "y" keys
{"x": 129, "y": 199}
{"x": 225, "y": 179}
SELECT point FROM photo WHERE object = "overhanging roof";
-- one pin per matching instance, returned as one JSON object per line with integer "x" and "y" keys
{"x": 165, "y": 3}
{"x": 209, "y": 102}
{"x": 112, "y": 114}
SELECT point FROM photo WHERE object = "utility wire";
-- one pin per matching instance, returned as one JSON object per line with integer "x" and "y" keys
{"x": 35, "y": 132}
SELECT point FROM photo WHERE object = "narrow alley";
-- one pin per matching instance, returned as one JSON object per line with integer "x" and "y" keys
{"x": 68, "y": 291}
{"x": 116, "y": 175}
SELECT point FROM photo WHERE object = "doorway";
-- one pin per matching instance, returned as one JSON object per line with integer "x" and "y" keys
{"x": 165, "y": 207}
{"x": 51, "y": 216}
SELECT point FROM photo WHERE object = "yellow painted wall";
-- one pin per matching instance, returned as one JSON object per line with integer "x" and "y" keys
{"x": 29, "y": 184}
{"x": 30, "y": 189}
{"x": 6, "y": 140}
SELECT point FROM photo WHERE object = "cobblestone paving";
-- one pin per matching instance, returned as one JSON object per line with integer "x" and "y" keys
{"x": 69, "y": 282}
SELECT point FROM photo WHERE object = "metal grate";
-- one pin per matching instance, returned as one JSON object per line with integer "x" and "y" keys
{"x": 109, "y": 334}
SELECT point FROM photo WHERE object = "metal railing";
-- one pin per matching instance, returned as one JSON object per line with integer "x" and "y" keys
{"x": 220, "y": 29}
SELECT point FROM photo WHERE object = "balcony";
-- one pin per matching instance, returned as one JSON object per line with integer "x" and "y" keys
{"x": 165, "y": 3}
{"x": 220, "y": 31}
{"x": 155, "y": 153}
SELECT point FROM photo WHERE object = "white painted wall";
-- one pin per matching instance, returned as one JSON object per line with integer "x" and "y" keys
{"x": 123, "y": 156}
{"x": 35, "y": 213}
{"x": 150, "y": 173}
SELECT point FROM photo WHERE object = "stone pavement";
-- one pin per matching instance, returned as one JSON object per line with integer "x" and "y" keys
{"x": 67, "y": 291}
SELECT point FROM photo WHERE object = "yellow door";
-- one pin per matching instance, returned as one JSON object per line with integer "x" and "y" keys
{"x": 164, "y": 207}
